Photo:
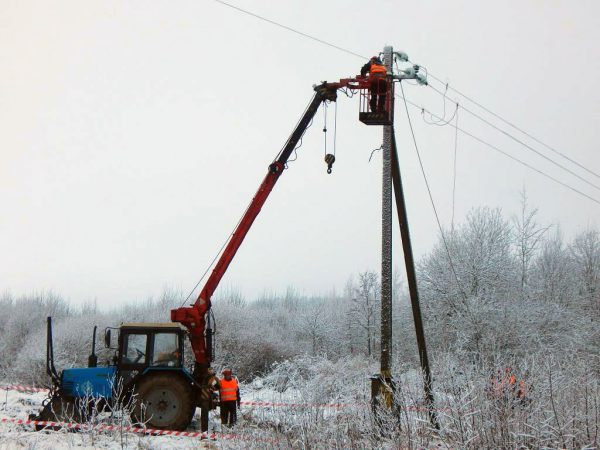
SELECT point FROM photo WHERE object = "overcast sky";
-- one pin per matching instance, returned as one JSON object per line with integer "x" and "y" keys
{"x": 134, "y": 133}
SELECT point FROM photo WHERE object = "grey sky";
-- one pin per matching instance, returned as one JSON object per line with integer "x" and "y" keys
{"x": 133, "y": 134}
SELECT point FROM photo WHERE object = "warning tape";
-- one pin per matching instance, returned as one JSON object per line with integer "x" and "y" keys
{"x": 102, "y": 427}
{"x": 145, "y": 431}
{"x": 303, "y": 405}
{"x": 23, "y": 388}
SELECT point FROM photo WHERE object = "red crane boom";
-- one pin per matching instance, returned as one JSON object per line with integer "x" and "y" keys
{"x": 193, "y": 317}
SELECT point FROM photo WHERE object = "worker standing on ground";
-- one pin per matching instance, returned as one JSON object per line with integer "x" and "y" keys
{"x": 505, "y": 387}
{"x": 229, "y": 391}
{"x": 207, "y": 402}
{"x": 377, "y": 74}
{"x": 525, "y": 387}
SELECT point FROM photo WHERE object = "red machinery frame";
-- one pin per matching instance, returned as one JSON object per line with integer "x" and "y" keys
{"x": 194, "y": 317}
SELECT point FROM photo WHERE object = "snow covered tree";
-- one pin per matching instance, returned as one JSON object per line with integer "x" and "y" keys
{"x": 474, "y": 261}
{"x": 585, "y": 251}
{"x": 528, "y": 235}
{"x": 315, "y": 323}
{"x": 552, "y": 271}
{"x": 365, "y": 309}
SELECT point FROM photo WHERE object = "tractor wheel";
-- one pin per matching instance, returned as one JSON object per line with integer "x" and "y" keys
{"x": 165, "y": 401}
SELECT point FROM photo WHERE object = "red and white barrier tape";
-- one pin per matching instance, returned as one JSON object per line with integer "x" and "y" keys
{"x": 101, "y": 427}
{"x": 145, "y": 431}
{"x": 22, "y": 388}
{"x": 303, "y": 405}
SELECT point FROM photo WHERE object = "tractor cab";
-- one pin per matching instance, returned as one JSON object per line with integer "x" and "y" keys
{"x": 146, "y": 346}
{"x": 148, "y": 363}
{"x": 142, "y": 347}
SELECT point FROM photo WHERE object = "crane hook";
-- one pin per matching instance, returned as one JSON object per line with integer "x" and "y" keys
{"x": 329, "y": 159}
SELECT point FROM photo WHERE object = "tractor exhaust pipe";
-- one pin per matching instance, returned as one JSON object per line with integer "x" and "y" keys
{"x": 93, "y": 359}
{"x": 50, "y": 369}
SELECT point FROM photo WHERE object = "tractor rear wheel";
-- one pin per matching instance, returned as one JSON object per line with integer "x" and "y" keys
{"x": 165, "y": 401}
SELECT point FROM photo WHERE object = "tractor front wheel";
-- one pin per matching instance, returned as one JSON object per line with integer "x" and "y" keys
{"x": 165, "y": 401}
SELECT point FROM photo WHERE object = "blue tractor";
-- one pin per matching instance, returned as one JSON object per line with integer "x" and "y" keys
{"x": 146, "y": 376}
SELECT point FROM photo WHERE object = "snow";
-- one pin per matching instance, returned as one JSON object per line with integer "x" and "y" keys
{"x": 252, "y": 429}
{"x": 19, "y": 405}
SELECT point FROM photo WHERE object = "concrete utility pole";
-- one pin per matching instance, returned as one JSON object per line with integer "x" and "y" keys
{"x": 386, "y": 241}
{"x": 382, "y": 387}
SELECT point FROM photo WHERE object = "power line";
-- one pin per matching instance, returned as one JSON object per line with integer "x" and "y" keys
{"x": 552, "y": 149}
{"x": 493, "y": 147}
{"x": 454, "y": 173}
{"x": 519, "y": 141}
{"x": 350, "y": 52}
{"x": 437, "y": 217}
{"x": 293, "y": 30}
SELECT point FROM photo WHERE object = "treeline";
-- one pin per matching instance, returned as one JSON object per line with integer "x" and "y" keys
{"x": 495, "y": 291}
{"x": 492, "y": 287}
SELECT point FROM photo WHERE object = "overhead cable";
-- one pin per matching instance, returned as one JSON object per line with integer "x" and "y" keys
{"x": 487, "y": 122}
{"x": 493, "y": 147}
{"x": 449, "y": 87}
{"x": 293, "y": 30}
{"x": 454, "y": 172}
{"x": 437, "y": 217}
{"x": 552, "y": 149}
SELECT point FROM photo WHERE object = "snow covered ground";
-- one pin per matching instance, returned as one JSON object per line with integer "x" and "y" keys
{"x": 19, "y": 405}
{"x": 250, "y": 432}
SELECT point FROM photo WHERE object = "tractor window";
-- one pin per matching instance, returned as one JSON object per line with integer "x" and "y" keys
{"x": 134, "y": 349}
{"x": 166, "y": 350}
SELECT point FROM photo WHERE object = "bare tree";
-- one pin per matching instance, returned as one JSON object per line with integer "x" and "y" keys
{"x": 474, "y": 261}
{"x": 552, "y": 270}
{"x": 585, "y": 251}
{"x": 527, "y": 234}
{"x": 365, "y": 307}
{"x": 316, "y": 324}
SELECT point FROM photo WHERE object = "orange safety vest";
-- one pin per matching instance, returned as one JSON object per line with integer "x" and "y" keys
{"x": 228, "y": 390}
{"x": 377, "y": 70}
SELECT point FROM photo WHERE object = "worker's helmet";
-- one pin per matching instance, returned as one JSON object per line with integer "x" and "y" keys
{"x": 226, "y": 371}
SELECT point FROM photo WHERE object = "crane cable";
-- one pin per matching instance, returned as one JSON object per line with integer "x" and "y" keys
{"x": 325, "y": 126}
{"x": 335, "y": 127}
{"x": 329, "y": 157}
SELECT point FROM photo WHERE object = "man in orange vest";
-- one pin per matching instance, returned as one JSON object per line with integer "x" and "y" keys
{"x": 229, "y": 392}
{"x": 378, "y": 76}
{"x": 505, "y": 386}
